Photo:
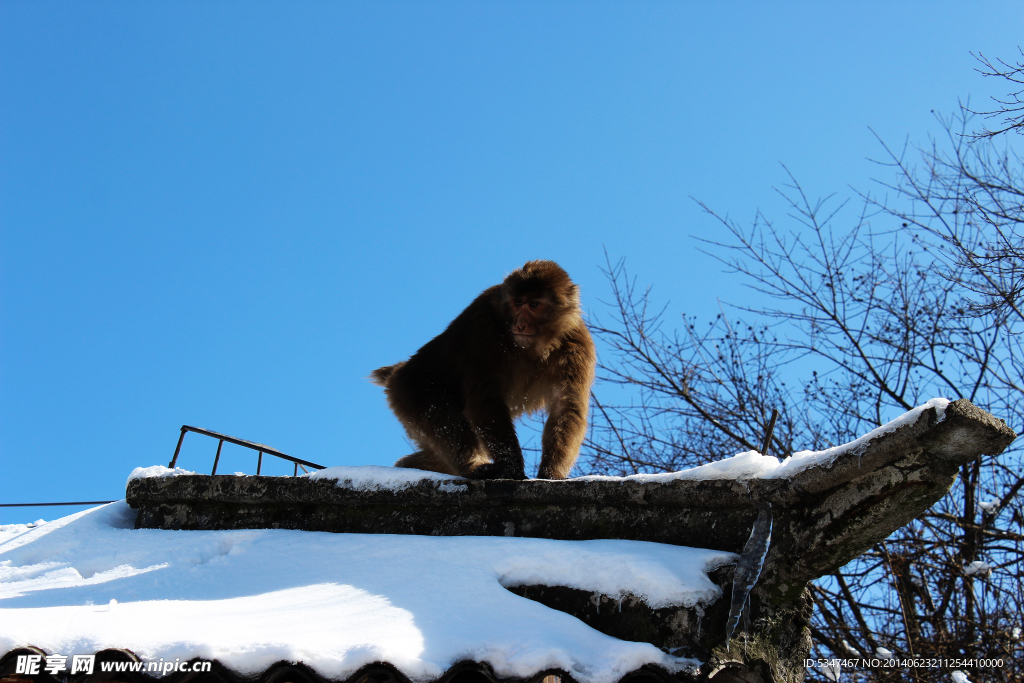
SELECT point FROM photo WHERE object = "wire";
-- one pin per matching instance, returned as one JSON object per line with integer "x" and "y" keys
{"x": 32, "y": 505}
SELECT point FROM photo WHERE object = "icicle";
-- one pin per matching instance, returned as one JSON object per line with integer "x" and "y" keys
{"x": 746, "y": 624}
{"x": 748, "y": 569}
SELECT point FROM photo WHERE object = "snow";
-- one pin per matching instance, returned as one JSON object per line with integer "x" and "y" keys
{"x": 753, "y": 465}
{"x": 989, "y": 506}
{"x": 371, "y": 477}
{"x": 832, "y": 670}
{"x": 250, "y": 598}
{"x": 9, "y": 531}
{"x": 367, "y": 477}
{"x": 157, "y": 471}
{"x": 979, "y": 567}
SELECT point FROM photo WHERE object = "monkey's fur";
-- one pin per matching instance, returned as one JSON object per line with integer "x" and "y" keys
{"x": 521, "y": 346}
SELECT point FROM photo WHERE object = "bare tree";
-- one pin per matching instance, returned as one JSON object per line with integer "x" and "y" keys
{"x": 1011, "y": 107}
{"x": 916, "y": 296}
{"x": 970, "y": 197}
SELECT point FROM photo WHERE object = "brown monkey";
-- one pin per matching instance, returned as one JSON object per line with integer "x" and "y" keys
{"x": 519, "y": 347}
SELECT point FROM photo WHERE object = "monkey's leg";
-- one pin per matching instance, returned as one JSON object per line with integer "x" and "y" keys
{"x": 564, "y": 432}
{"x": 433, "y": 419}
{"x": 426, "y": 460}
{"x": 446, "y": 437}
{"x": 492, "y": 423}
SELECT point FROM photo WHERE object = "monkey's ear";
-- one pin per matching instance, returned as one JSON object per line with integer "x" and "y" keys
{"x": 574, "y": 295}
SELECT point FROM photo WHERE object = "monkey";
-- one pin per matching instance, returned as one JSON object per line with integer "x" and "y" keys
{"x": 519, "y": 347}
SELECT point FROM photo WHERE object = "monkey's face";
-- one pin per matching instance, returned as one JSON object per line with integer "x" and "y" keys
{"x": 528, "y": 316}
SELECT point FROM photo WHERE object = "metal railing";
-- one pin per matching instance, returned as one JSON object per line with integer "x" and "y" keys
{"x": 241, "y": 442}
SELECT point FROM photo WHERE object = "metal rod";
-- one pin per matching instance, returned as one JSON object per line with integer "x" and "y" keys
{"x": 252, "y": 445}
{"x": 177, "y": 449}
{"x": 220, "y": 444}
{"x": 295, "y": 472}
{"x": 259, "y": 464}
{"x": 768, "y": 437}
{"x": 34, "y": 505}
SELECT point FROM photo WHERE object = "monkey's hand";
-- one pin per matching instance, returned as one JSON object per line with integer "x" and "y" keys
{"x": 499, "y": 470}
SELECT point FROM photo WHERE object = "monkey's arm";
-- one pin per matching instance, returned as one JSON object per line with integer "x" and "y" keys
{"x": 564, "y": 431}
{"x": 566, "y": 426}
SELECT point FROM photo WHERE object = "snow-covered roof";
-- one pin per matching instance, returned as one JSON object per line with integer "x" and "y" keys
{"x": 336, "y": 602}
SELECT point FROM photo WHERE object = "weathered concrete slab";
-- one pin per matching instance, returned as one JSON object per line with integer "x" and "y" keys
{"x": 824, "y": 516}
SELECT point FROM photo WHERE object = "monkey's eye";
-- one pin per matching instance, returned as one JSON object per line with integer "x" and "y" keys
{"x": 534, "y": 304}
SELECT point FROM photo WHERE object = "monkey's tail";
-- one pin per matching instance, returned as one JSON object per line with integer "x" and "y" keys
{"x": 380, "y": 376}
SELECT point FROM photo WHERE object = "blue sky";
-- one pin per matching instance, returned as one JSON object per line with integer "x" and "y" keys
{"x": 227, "y": 214}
